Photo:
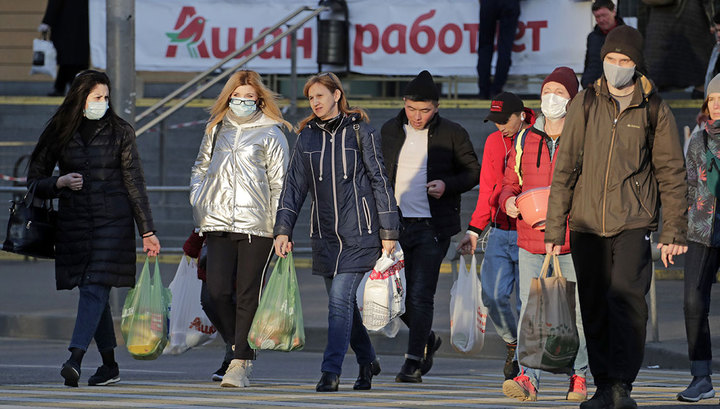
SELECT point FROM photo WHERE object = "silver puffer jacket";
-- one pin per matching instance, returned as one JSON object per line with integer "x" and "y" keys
{"x": 235, "y": 188}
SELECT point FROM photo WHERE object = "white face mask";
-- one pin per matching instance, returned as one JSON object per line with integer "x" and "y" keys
{"x": 242, "y": 106}
{"x": 553, "y": 106}
{"x": 95, "y": 109}
{"x": 617, "y": 76}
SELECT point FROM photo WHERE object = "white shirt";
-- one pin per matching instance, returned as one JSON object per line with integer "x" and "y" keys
{"x": 411, "y": 176}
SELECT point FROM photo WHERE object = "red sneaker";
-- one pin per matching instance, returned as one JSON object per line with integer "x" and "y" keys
{"x": 578, "y": 389}
{"x": 520, "y": 388}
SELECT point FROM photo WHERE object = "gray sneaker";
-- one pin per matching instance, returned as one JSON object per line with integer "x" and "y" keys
{"x": 700, "y": 388}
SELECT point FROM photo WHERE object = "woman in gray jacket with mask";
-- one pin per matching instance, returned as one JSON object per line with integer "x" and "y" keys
{"x": 234, "y": 190}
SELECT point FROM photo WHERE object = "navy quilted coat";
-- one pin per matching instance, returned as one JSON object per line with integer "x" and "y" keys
{"x": 95, "y": 239}
{"x": 353, "y": 205}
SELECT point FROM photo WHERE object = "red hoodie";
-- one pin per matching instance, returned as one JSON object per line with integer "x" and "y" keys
{"x": 496, "y": 154}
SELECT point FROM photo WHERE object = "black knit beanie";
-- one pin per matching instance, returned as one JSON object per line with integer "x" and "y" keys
{"x": 627, "y": 41}
{"x": 422, "y": 88}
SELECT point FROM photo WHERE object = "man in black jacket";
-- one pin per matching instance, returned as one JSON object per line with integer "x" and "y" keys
{"x": 430, "y": 162}
{"x": 607, "y": 19}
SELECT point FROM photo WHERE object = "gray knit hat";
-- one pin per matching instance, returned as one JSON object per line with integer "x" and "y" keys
{"x": 713, "y": 86}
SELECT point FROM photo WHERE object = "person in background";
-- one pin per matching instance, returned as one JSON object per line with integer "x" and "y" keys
{"x": 353, "y": 216}
{"x": 610, "y": 179}
{"x": 530, "y": 167}
{"x": 606, "y": 19}
{"x": 101, "y": 197}
{"x": 499, "y": 268}
{"x": 499, "y": 16}
{"x": 678, "y": 45}
{"x": 430, "y": 162}
{"x": 68, "y": 23}
{"x": 195, "y": 248}
{"x": 234, "y": 190}
{"x": 703, "y": 256}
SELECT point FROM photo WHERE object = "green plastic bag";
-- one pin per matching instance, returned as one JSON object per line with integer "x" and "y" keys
{"x": 144, "y": 322}
{"x": 278, "y": 322}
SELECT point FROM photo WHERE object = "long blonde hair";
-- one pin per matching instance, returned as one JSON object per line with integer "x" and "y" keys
{"x": 266, "y": 99}
{"x": 331, "y": 82}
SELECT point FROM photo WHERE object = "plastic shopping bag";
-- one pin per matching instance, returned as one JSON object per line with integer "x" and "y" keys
{"x": 144, "y": 322}
{"x": 468, "y": 314}
{"x": 383, "y": 293}
{"x": 189, "y": 326}
{"x": 278, "y": 322}
{"x": 393, "y": 327}
{"x": 548, "y": 337}
{"x": 44, "y": 58}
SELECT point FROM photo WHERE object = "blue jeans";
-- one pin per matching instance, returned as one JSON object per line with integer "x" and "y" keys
{"x": 499, "y": 276}
{"x": 424, "y": 252}
{"x": 530, "y": 266}
{"x": 94, "y": 319}
{"x": 345, "y": 326}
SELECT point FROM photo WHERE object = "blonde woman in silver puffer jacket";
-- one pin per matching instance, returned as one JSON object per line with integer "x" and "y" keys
{"x": 234, "y": 190}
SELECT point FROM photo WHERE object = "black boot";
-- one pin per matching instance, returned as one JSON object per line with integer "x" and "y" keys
{"x": 602, "y": 399}
{"x": 71, "y": 368}
{"x": 410, "y": 372}
{"x": 432, "y": 346}
{"x": 621, "y": 396}
{"x": 329, "y": 382}
{"x": 511, "y": 368}
{"x": 364, "y": 379}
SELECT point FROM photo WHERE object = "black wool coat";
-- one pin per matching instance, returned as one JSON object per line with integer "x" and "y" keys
{"x": 95, "y": 238}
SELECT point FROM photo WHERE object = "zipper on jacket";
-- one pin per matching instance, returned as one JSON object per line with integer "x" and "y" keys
{"x": 317, "y": 214}
{"x": 637, "y": 186}
{"x": 335, "y": 198}
{"x": 607, "y": 168}
{"x": 368, "y": 220}
{"x": 357, "y": 204}
{"x": 312, "y": 214}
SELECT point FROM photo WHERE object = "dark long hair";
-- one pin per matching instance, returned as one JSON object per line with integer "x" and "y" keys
{"x": 65, "y": 121}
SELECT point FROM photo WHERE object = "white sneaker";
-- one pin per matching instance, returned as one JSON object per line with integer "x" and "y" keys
{"x": 237, "y": 374}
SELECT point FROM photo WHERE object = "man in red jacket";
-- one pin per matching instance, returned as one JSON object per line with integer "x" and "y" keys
{"x": 499, "y": 270}
{"x": 530, "y": 166}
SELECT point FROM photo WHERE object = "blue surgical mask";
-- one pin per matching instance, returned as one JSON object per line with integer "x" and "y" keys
{"x": 95, "y": 109}
{"x": 242, "y": 106}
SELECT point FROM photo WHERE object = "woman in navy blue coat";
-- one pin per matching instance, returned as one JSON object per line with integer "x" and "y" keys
{"x": 337, "y": 159}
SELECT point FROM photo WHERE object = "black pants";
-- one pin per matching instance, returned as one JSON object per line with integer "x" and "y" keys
{"x": 209, "y": 308}
{"x": 240, "y": 259}
{"x": 613, "y": 276}
{"x": 499, "y": 16}
{"x": 701, "y": 265}
{"x": 424, "y": 252}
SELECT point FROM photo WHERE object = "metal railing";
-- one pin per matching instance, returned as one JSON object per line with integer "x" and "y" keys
{"x": 291, "y": 30}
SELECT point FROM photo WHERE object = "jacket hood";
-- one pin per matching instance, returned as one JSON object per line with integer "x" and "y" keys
{"x": 643, "y": 83}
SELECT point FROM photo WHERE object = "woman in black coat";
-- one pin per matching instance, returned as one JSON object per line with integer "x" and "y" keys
{"x": 101, "y": 195}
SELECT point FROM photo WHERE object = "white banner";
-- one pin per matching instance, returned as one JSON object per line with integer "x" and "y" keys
{"x": 398, "y": 37}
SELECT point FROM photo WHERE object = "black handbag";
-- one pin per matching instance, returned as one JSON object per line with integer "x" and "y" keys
{"x": 31, "y": 227}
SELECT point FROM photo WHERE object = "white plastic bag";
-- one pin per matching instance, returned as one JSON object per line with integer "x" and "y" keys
{"x": 468, "y": 314}
{"x": 381, "y": 294}
{"x": 44, "y": 58}
{"x": 189, "y": 326}
{"x": 393, "y": 327}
